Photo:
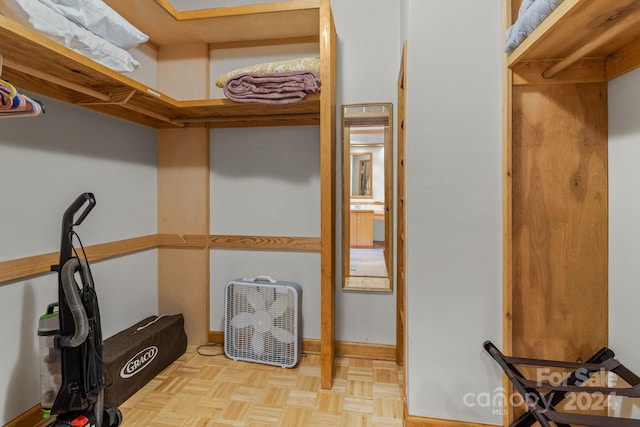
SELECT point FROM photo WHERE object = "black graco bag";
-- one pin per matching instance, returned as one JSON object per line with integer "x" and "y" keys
{"x": 136, "y": 355}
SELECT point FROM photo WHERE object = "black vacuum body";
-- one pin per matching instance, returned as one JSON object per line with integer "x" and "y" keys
{"x": 73, "y": 354}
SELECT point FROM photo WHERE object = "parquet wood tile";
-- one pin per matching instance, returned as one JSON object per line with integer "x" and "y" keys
{"x": 214, "y": 391}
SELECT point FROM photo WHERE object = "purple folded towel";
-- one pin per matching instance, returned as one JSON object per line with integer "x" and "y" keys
{"x": 276, "y": 88}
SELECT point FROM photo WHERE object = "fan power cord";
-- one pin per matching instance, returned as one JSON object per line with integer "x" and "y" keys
{"x": 198, "y": 350}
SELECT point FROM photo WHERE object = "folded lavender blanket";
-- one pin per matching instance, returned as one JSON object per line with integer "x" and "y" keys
{"x": 276, "y": 88}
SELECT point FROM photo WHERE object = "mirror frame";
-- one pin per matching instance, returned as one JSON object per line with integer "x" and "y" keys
{"x": 368, "y": 154}
{"x": 378, "y": 117}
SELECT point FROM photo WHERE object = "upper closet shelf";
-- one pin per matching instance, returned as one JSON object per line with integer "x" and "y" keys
{"x": 602, "y": 37}
{"x": 36, "y": 63}
{"x": 254, "y": 25}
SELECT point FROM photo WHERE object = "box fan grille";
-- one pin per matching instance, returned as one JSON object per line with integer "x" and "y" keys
{"x": 262, "y": 321}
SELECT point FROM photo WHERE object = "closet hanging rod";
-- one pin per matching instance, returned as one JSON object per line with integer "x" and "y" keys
{"x": 307, "y": 117}
{"x": 124, "y": 103}
{"x": 621, "y": 24}
{"x": 56, "y": 80}
{"x": 154, "y": 115}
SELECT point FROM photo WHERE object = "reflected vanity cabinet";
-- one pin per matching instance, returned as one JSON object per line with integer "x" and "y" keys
{"x": 361, "y": 228}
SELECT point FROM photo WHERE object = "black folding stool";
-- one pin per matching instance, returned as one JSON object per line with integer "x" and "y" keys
{"x": 542, "y": 407}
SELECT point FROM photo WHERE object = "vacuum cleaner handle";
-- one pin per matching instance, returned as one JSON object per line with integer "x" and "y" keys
{"x": 74, "y": 301}
{"x": 86, "y": 200}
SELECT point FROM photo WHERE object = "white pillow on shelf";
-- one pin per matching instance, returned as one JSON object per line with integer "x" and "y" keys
{"x": 99, "y": 18}
{"x": 44, "y": 19}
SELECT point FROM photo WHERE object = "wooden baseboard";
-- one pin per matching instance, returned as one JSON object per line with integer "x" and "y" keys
{"x": 216, "y": 337}
{"x": 414, "y": 421}
{"x": 343, "y": 348}
{"x": 360, "y": 350}
{"x": 30, "y": 418}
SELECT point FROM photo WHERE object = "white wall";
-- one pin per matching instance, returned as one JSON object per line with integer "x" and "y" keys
{"x": 624, "y": 223}
{"x": 266, "y": 181}
{"x": 369, "y": 49}
{"x": 45, "y": 163}
{"x": 453, "y": 161}
{"x": 147, "y": 73}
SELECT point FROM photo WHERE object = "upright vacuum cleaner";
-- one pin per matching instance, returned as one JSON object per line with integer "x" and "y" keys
{"x": 71, "y": 338}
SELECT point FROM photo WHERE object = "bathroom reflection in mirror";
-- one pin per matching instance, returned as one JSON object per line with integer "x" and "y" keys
{"x": 361, "y": 175}
{"x": 367, "y": 220}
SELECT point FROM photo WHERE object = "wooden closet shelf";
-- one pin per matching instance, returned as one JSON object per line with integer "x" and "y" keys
{"x": 32, "y": 62}
{"x": 580, "y": 29}
{"x": 282, "y": 22}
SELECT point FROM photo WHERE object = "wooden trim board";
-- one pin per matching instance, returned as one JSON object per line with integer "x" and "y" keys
{"x": 401, "y": 228}
{"x": 22, "y": 268}
{"x": 286, "y": 243}
{"x": 343, "y": 348}
{"x": 507, "y": 209}
{"x": 415, "y": 421}
{"x": 183, "y": 209}
{"x": 30, "y": 418}
{"x": 328, "y": 44}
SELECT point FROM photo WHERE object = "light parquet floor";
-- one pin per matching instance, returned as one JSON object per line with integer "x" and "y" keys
{"x": 214, "y": 391}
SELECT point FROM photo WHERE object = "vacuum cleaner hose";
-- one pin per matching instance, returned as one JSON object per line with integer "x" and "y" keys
{"x": 72, "y": 292}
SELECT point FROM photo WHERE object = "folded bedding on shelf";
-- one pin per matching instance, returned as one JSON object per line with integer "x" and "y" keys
{"x": 42, "y": 18}
{"x": 273, "y": 88}
{"x": 308, "y": 64}
{"x": 530, "y": 15}
{"x": 97, "y": 17}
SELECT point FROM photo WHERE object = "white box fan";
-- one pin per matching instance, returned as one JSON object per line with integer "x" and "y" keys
{"x": 262, "y": 321}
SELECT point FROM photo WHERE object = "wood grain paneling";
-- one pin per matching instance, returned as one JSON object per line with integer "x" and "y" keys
{"x": 285, "y": 243}
{"x": 182, "y": 240}
{"x": 559, "y": 291}
{"x": 183, "y": 209}
{"x": 183, "y": 287}
{"x": 507, "y": 207}
{"x": 328, "y": 42}
{"x": 401, "y": 199}
{"x": 183, "y": 181}
{"x": 623, "y": 60}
